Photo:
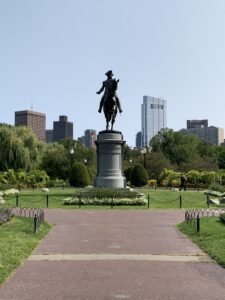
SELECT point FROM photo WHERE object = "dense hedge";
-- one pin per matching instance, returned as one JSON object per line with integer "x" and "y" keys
{"x": 101, "y": 193}
{"x": 95, "y": 201}
{"x": 138, "y": 176}
{"x": 79, "y": 176}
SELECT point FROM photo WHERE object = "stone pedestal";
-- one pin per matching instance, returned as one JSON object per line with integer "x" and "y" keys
{"x": 109, "y": 160}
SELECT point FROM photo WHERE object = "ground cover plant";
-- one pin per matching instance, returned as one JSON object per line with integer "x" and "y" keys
{"x": 210, "y": 239}
{"x": 17, "y": 240}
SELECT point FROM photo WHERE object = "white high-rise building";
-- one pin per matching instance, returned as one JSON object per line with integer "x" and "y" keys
{"x": 153, "y": 118}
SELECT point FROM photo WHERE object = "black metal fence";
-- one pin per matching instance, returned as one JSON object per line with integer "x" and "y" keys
{"x": 192, "y": 216}
{"x": 180, "y": 201}
{"x": 37, "y": 214}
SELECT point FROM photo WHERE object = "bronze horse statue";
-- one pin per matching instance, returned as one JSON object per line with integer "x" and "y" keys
{"x": 110, "y": 106}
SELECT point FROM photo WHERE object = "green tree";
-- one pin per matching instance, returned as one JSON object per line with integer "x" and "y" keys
{"x": 155, "y": 163}
{"x": 79, "y": 176}
{"x": 56, "y": 161}
{"x": 176, "y": 146}
{"x": 19, "y": 149}
{"x": 127, "y": 173}
{"x": 138, "y": 176}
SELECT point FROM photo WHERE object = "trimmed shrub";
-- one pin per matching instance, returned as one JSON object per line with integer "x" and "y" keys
{"x": 222, "y": 218}
{"x": 217, "y": 187}
{"x": 79, "y": 176}
{"x": 107, "y": 193}
{"x": 127, "y": 173}
{"x": 152, "y": 183}
{"x": 139, "y": 176}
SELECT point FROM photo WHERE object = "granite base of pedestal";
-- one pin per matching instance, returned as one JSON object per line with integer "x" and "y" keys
{"x": 109, "y": 160}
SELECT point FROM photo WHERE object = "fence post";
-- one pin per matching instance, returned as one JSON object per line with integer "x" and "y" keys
{"x": 148, "y": 200}
{"x": 17, "y": 200}
{"x": 198, "y": 223}
{"x": 35, "y": 223}
{"x": 207, "y": 201}
{"x": 47, "y": 200}
{"x": 180, "y": 201}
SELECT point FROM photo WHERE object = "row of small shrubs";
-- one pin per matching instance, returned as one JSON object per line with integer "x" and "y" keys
{"x": 101, "y": 193}
{"x": 105, "y": 201}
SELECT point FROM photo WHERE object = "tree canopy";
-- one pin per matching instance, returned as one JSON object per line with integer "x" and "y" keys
{"x": 19, "y": 149}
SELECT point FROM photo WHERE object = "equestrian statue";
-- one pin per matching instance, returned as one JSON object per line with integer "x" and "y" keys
{"x": 110, "y": 101}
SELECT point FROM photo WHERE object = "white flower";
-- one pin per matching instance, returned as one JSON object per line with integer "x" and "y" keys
{"x": 11, "y": 192}
{"x": 2, "y": 201}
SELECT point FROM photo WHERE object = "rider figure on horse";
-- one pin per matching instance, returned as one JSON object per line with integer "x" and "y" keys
{"x": 105, "y": 84}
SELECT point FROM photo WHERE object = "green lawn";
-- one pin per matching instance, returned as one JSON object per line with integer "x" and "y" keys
{"x": 162, "y": 199}
{"x": 38, "y": 199}
{"x": 171, "y": 199}
{"x": 17, "y": 240}
{"x": 211, "y": 237}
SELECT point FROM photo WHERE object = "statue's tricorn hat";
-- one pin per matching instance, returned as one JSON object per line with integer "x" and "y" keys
{"x": 109, "y": 73}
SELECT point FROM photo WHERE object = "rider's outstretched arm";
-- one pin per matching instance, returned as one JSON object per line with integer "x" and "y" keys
{"x": 101, "y": 89}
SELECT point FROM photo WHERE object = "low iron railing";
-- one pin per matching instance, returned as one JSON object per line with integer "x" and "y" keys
{"x": 192, "y": 216}
{"x": 37, "y": 214}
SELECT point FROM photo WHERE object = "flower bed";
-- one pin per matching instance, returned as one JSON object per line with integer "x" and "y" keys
{"x": 105, "y": 201}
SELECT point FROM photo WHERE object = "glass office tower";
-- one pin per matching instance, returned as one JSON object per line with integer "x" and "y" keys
{"x": 153, "y": 118}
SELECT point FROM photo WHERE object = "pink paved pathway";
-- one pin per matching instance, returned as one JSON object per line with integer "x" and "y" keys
{"x": 120, "y": 232}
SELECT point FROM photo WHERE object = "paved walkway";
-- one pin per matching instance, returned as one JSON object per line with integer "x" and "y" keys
{"x": 116, "y": 254}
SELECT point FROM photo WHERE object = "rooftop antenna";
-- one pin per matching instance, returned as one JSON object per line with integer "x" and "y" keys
{"x": 31, "y": 105}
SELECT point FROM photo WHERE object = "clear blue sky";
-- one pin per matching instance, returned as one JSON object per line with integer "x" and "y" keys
{"x": 54, "y": 54}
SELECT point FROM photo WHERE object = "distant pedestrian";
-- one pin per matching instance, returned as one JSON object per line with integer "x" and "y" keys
{"x": 183, "y": 180}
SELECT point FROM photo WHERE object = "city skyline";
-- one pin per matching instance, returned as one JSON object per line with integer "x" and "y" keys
{"x": 189, "y": 123}
{"x": 54, "y": 55}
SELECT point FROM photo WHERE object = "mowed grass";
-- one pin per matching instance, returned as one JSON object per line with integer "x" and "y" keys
{"x": 166, "y": 199}
{"x": 38, "y": 199}
{"x": 160, "y": 199}
{"x": 17, "y": 241}
{"x": 210, "y": 239}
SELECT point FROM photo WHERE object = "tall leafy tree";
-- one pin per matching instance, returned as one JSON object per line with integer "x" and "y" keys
{"x": 55, "y": 161}
{"x": 177, "y": 147}
{"x": 15, "y": 152}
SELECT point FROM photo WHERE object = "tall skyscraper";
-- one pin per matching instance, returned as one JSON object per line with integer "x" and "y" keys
{"x": 138, "y": 140}
{"x": 153, "y": 117}
{"x": 36, "y": 121}
{"x": 90, "y": 138}
{"x": 62, "y": 129}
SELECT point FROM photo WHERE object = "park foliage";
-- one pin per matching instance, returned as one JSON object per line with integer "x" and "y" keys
{"x": 79, "y": 176}
{"x": 26, "y": 161}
